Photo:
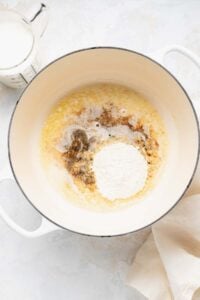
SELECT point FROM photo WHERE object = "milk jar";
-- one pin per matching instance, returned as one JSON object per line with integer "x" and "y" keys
{"x": 20, "y": 31}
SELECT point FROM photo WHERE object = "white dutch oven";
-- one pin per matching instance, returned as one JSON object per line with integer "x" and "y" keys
{"x": 88, "y": 66}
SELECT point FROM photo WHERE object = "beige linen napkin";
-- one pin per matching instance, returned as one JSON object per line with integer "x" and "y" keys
{"x": 167, "y": 266}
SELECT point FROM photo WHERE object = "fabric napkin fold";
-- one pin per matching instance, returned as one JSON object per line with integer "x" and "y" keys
{"x": 167, "y": 266}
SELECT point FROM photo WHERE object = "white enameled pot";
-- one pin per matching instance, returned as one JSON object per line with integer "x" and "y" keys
{"x": 107, "y": 64}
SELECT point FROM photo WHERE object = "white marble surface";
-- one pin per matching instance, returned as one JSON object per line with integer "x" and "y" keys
{"x": 63, "y": 265}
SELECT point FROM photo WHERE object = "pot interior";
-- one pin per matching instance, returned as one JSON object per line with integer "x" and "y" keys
{"x": 104, "y": 65}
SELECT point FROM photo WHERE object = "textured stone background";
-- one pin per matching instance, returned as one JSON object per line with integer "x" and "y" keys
{"x": 63, "y": 265}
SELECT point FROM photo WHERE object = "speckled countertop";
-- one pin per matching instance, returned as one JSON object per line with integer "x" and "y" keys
{"x": 63, "y": 265}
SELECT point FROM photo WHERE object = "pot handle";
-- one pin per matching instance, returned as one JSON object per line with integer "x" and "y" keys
{"x": 160, "y": 54}
{"x": 44, "y": 228}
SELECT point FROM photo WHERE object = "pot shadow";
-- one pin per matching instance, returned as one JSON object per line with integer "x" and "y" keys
{"x": 62, "y": 262}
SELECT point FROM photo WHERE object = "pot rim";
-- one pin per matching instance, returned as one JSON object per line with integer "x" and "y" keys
{"x": 115, "y": 48}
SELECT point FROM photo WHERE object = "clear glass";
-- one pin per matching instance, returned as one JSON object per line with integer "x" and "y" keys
{"x": 26, "y": 66}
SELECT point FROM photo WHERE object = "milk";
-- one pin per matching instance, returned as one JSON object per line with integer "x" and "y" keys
{"x": 19, "y": 41}
{"x": 16, "y": 42}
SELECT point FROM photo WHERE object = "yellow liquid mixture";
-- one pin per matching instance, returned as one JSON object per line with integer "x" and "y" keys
{"x": 86, "y": 120}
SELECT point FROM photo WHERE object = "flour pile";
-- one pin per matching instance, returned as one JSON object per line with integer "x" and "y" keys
{"x": 120, "y": 171}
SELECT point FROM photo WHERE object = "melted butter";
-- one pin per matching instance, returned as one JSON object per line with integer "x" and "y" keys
{"x": 67, "y": 113}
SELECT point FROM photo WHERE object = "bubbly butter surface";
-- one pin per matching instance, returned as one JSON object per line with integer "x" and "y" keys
{"x": 68, "y": 112}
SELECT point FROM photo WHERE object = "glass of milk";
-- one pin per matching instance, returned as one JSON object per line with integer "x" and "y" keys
{"x": 20, "y": 31}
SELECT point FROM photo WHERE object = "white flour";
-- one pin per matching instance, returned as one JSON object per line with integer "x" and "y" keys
{"x": 120, "y": 171}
